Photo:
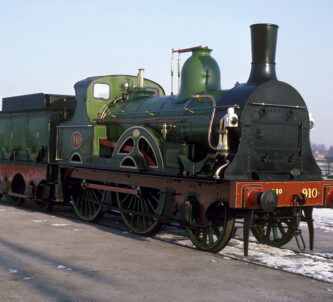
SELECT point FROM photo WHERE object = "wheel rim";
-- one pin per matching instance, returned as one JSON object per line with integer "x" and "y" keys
{"x": 214, "y": 235}
{"x": 140, "y": 212}
{"x": 88, "y": 204}
{"x": 274, "y": 231}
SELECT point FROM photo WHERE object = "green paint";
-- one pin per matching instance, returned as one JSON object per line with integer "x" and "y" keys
{"x": 28, "y": 135}
{"x": 199, "y": 73}
{"x": 116, "y": 82}
{"x": 99, "y": 133}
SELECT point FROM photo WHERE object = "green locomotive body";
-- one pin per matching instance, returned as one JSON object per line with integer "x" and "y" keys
{"x": 172, "y": 130}
{"x": 90, "y": 105}
{"x": 202, "y": 157}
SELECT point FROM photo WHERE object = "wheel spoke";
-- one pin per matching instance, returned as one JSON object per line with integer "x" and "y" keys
{"x": 125, "y": 197}
{"x": 216, "y": 231}
{"x": 151, "y": 206}
{"x": 211, "y": 239}
{"x": 147, "y": 211}
{"x": 282, "y": 226}
{"x": 215, "y": 234}
{"x": 131, "y": 202}
{"x": 268, "y": 231}
{"x": 135, "y": 204}
{"x": 275, "y": 233}
{"x": 138, "y": 215}
{"x": 204, "y": 236}
{"x": 144, "y": 218}
{"x": 154, "y": 197}
{"x": 139, "y": 212}
{"x": 88, "y": 203}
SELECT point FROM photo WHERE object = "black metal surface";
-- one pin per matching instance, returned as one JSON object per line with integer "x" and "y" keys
{"x": 37, "y": 101}
{"x": 263, "y": 38}
{"x": 274, "y": 139}
{"x": 309, "y": 220}
{"x": 248, "y": 215}
{"x": 269, "y": 201}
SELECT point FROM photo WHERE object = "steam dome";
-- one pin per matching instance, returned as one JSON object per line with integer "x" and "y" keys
{"x": 200, "y": 73}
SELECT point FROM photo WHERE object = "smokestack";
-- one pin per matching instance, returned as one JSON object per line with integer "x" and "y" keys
{"x": 263, "y": 37}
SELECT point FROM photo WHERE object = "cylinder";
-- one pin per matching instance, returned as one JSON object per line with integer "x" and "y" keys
{"x": 264, "y": 38}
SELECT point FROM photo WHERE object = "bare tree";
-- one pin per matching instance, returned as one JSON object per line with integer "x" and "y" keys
{"x": 329, "y": 158}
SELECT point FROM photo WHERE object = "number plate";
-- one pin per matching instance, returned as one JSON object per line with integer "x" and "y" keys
{"x": 314, "y": 191}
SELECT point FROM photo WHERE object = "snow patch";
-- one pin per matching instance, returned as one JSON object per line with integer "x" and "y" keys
{"x": 13, "y": 271}
{"x": 318, "y": 266}
{"x": 323, "y": 215}
{"x": 59, "y": 224}
{"x": 326, "y": 227}
{"x": 63, "y": 267}
{"x": 313, "y": 266}
{"x": 39, "y": 220}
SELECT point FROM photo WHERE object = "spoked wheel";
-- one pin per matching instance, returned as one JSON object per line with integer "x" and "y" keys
{"x": 274, "y": 229}
{"x": 141, "y": 211}
{"x": 215, "y": 233}
{"x": 88, "y": 203}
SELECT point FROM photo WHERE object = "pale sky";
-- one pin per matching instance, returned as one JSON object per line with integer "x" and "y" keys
{"x": 48, "y": 45}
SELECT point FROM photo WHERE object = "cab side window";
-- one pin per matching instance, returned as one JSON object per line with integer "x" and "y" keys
{"x": 101, "y": 91}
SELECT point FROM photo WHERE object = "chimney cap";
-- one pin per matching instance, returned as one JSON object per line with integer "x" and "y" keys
{"x": 264, "y": 25}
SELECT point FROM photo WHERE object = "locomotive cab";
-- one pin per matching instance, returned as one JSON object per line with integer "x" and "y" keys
{"x": 96, "y": 97}
{"x": 105, "y": 91}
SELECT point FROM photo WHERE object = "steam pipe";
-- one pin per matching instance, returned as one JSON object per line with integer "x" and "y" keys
{"x": 221, "y": 146}
{"x": 212, "y": 117}
{"x": 218, "y": 171}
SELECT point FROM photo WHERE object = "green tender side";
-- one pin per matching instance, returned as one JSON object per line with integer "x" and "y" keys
{"x": 30, "y": 134}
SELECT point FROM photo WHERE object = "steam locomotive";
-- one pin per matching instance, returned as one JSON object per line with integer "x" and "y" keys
{"x": 201, "y": 158}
